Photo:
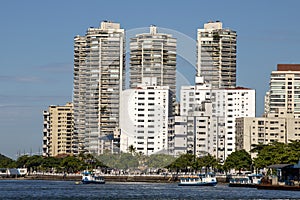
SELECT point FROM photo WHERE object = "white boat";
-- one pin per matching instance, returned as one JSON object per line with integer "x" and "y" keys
{"x": 199, "y": 180}
{"x": 88, "y": 177}
{"x": 250, "y": 180}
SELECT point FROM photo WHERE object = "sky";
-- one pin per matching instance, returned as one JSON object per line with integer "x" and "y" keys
{"x": 36, "y": 49}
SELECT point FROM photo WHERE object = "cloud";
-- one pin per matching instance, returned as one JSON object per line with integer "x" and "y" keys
{"x": 20, "y": 79}
{"x": 9, "y": 99}
{"x": 57, "y": 67}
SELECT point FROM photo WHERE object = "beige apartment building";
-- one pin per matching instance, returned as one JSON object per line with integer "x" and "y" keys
{"x": 58, "y": 130}
{"x": 280, "y": 127}
{"x": 281, "y": 120}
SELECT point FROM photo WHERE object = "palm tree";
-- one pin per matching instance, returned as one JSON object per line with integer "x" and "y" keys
{"x": 132, "y": 149}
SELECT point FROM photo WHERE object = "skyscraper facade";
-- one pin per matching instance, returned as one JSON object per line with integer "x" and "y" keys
{"x": 153, "y": 55}
{"x": 216, "y": 55}
{"x": 99, "y": 78}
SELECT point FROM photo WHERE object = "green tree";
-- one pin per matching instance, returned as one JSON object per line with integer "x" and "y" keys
{"x": 293, "y": 149}
{"x": 256, "y": 148}
{"x": 34, "y": 163}
{"x": 208, "y": 161}
{"x": 6, "y": 162}
{"x": 119, "y": 161}
{"x": 21, "y": 161}
{"x": 238, "y": 160}
{"x": 159, "y": 160}
{"x": 71, "y": 164}
{"x": 278, "y": 153}
{"x": 51, "y": 164}
{"x": 127, "y": 161}
{"x": 184, "y": 162}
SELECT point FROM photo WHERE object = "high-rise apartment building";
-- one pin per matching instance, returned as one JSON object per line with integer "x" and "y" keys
{"x": 58, "y": 131}
{"x": 216, "y": 55}
{"x": 145, "y": 112}
{"x": 99, "y": 78}
{"x": 227, "y": 105}
{"x": 191, "y": 132}
{"x": 284, "y": 90}
{"x": 153, "y": 55}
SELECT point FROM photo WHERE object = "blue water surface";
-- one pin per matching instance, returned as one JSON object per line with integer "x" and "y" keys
{"x": 33, "y": 189}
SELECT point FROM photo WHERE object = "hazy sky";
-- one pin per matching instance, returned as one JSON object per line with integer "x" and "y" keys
{"x": 36, "y": 49}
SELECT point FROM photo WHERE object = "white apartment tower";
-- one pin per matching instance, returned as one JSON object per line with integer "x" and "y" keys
{"x": 227, "y": 105}
{"x": 191, "y": 132}
{"x": 144, "y": 118}
{"x": 216, "y": 55}
{"x": 153, "y": 55}
{"x": 99, "y": 78}
{"x": 284, "y": 90}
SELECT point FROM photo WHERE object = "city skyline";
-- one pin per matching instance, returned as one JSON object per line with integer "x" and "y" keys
{"x": 37, "y": 53}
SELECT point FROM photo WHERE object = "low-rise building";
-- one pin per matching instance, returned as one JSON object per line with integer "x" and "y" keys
{"x": 274, "y": 127}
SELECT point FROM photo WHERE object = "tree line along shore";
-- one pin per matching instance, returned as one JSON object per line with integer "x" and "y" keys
{"x": 161, "y": 165}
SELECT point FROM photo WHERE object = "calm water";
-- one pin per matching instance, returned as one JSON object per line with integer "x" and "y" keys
{"x": 16, "y": 189}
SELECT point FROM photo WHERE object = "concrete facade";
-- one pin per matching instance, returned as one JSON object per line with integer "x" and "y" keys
{"x": 58, "y": 129}
{"x": 145, "y": 112}
{"x": 153, "y": 55}
{"x": 99, "y": 78}
{"x": 275, "y": 127}
{"x": 284, "y": 90}
{"x": 216, "y": 55}
{"x": 191, "y": 132}
{"x": 227, "y": 105}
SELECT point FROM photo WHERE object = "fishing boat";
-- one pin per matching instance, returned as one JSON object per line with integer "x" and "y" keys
{"x": 208, "y": 179}
{"x": 88, "y": 177}
{"x": 250, "y": 180}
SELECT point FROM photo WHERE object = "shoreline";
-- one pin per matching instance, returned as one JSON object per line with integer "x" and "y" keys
{"x": 108, "y": 178}
{"x": 141, "y": 179}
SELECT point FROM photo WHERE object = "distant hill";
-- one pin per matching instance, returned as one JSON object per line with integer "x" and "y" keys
{"x": 5, "y": 162}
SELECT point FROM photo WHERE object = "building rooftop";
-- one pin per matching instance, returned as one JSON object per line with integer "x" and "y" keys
{"x": 288, "y": 67}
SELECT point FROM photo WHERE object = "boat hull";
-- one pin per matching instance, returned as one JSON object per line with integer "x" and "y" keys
{"x": 198, "y": 184}
{"x": 242, "y": 185}
{"x": 93, "y": 182}
{"x": 278, "y": 187}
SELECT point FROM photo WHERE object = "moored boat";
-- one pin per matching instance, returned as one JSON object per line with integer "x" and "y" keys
{"x": 88, "y": 177}
{"x": 199, "y": 180}
{"x": 250, "y": 180}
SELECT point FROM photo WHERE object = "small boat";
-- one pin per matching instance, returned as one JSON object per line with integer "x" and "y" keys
{"x": 88, "y": 177}
{"x": 250, "y": 180}
{"x": 199, "y": 180}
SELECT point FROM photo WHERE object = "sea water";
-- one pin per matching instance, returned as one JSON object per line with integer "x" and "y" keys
{"x": 33, "y": 189}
